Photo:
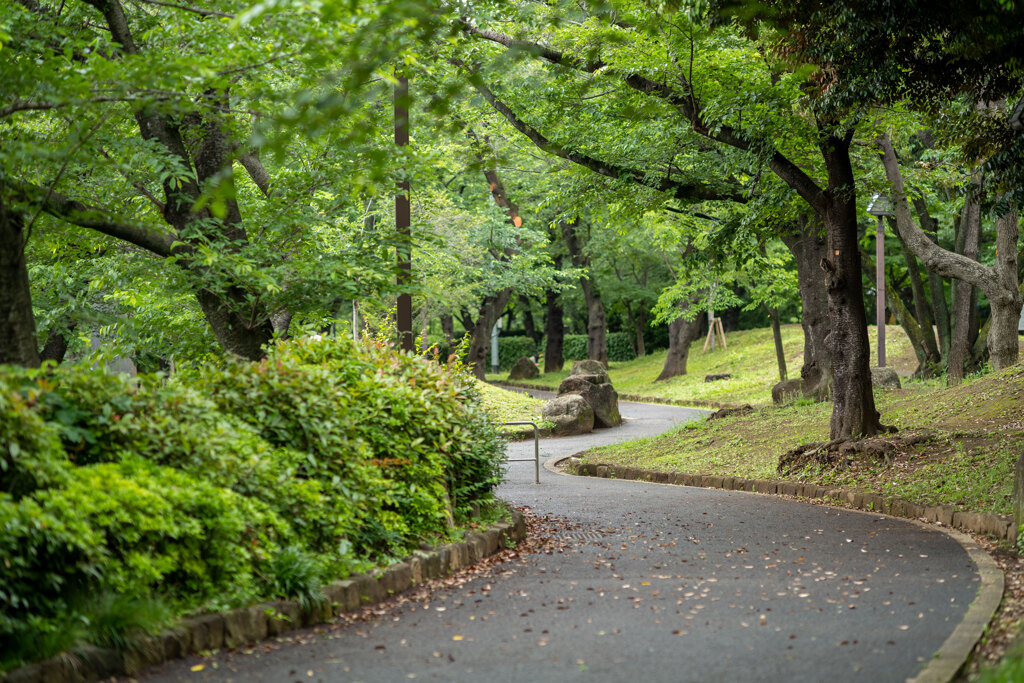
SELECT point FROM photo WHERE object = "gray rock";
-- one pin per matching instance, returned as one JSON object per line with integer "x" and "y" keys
{"x": 524, "y": 368}
{"x": 886, "y": 378}
{"x": 789, "y": 390}
{"x": 571, "y": 414}
{"x": 601, "y": 397}
{"x": 590, "y": 367}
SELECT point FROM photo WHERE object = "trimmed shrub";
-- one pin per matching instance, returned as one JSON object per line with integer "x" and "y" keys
{"x": 511, "y": 349}
{"x": 620, "y": 347}
{"x": 574, "y": 347}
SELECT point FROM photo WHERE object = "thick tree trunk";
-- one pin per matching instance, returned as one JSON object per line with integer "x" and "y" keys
{"x": 480, "y": 336}
{"x": 18, "y": 345}
{"x": 242, "y": 335}
{"x": 807, "y": 244}
{"x": 554, "y": 328}
{"x": 1003, "y": 347}
{"x": 967, "y": 246}
{"x": 780, "y": 353}
{"x": 681, "y": 333}
{"x": 56, "y": 346}
{"x": 597, "y": 327}
{"x": 853, "y": 403}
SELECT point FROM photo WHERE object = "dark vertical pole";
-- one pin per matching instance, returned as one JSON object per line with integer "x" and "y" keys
{"x": 880, "y": 289}
{"x": 403, "y": 216}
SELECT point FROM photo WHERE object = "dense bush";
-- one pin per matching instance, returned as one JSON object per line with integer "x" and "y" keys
{"x": 620, "y": 347}
{"x": 574, "y": 347}
{"x": 511, "y": 349}
{"x": 225, "y": 483}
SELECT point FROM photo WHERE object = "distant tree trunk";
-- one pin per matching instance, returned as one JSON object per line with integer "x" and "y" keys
{"x": 1003, "y": 347}
{"x": 554, "y": 332}
{"x": 639, "y": 321}
{"x": 967, "y": 246}
{"x": 807, "y": 244}
{"x": 681, "y": 334}
{"x": 480, "y": 336}
{"x": 448, "y": 329}
{"x": 940, "y": 308}
{"x": 281, "y": 320}
{"x": 597, "y": 326}
{"x": 780, "y": 353}
{"x": 853, "y": 402}
{"x": 18, "y": 345}
{"x": 56, "y": 346}
{"x": 529, "y": 326}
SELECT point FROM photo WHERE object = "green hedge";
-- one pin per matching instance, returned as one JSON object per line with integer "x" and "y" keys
{"x": 619, "y": 347}
{"x": 223, "y": 485}
{"x": 511, "y": 349}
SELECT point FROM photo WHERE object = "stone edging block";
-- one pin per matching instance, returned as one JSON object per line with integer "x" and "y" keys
{"x": 251, "y": 624}
{"x": 999, "y": 526}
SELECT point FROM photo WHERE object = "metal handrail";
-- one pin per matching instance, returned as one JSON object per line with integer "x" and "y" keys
{"x": 536, "y": 449}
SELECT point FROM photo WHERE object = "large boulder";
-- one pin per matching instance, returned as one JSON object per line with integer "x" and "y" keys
{"x": 600, "y": 395}
{"x": 885, "y": 378}
{"x": 524, "y": 368}
{"x": 571, "y": 415}
{"x": 590, "y": 367}
{"x": 788, "y": 390}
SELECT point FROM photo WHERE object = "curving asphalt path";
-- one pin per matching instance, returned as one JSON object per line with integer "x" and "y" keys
{"x": 652, "y": 583}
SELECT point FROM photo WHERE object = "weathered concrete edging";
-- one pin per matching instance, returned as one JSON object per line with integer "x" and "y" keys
{"x": 252, "y": 624}
{"x": 956, "y": 649}
{"x": 998, "y": 526}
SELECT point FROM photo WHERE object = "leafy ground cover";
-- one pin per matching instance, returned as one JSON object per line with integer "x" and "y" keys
{"x": 127, "y": 502}
{"x": 749, "y": 358}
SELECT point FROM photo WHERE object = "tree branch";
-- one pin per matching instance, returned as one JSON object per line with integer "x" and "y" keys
{"x": 610, "y": 170}
{"x": 687, "y": 105}
{"x": 936, "y": 259}
{"x": 148, "y": 237}
{"x": 194, "y": 10}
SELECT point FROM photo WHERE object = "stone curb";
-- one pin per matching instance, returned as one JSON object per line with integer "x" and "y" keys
{"x": 953, "y": 653}
{"x": 999, "y": 526}
{"x": 254, "y": 623}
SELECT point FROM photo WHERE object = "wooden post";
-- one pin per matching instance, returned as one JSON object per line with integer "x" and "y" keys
{"x": 403, "y": 220}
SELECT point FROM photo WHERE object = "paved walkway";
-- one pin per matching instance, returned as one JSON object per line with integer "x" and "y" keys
{"x": 658, "y": 583}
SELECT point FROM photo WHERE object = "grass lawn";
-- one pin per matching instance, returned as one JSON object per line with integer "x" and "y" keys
{"x": 970, "y": 435}
{"x": 503, "y": 405}
{"x": 749, "y": 358}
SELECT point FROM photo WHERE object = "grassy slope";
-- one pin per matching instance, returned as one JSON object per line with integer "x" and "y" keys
{"x": 978, "y": 435}
{"x": 510, "y": 406}
{"x": 750, "y": 359}
{"x": 968, "y": 462}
